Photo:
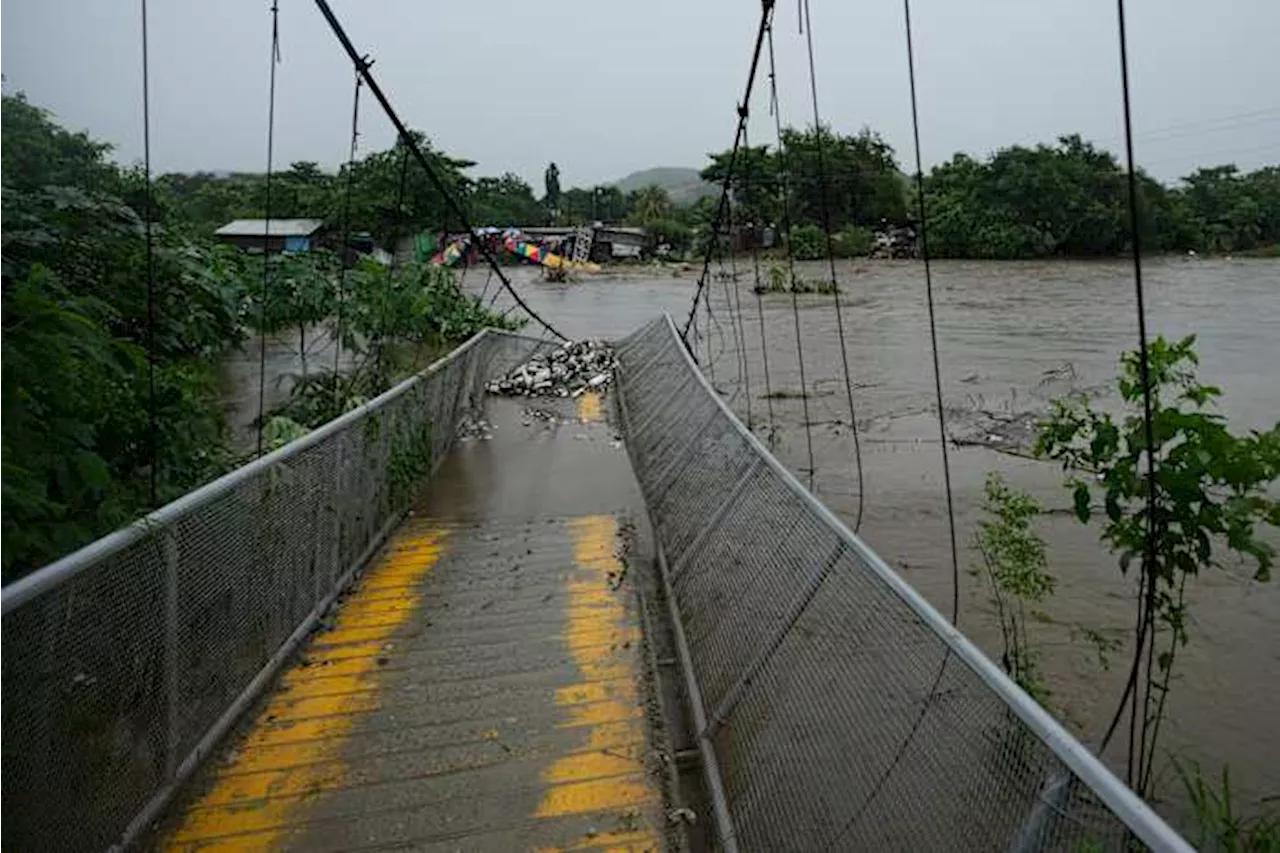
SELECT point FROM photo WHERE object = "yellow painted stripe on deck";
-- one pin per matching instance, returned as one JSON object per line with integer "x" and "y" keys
{"x": 613, "y": 705}
{"x": 591, "y": 407}
{"x": 278, "y": 766}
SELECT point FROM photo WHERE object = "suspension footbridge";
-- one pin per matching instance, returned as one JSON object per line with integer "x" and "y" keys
{"x": 629, "y": 628}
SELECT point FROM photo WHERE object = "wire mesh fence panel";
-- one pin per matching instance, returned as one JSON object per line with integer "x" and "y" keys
{"x": 842, "y": 711}
{"x": 121, "y": 661}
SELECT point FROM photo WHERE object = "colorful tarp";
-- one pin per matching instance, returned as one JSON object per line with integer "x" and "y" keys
{"x": 451, "y": 254}
{"x": 538, "y": 255}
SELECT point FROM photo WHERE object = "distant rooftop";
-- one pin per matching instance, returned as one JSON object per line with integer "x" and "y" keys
{"x": 279, "y": 227}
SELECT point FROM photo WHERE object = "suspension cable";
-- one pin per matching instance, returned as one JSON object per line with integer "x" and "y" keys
{"x": 785, "y": 191}
{"x": 756, "y": 288}
{"x": 711, "y": 356}
{"x": 1147, "y": 579}
{"x": 735, "y": 313}
{"x": 451, "y": 202}
{"x": 266, "y": 228}
{"x": 766, "y": 22}
{"x": 723, "y": 277}
{"x": 933, "y": 326}
{"x": 807, "y": 25}
{"x": 346, "y": 231}
{"x": 153, "y": 442}
{"x": 955, "y": 589}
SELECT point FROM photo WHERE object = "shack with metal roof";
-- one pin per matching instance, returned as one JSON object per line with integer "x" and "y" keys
{"x": 273, "y": 236}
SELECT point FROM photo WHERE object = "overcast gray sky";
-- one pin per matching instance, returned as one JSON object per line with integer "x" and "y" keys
{"x": 608, "y": 88}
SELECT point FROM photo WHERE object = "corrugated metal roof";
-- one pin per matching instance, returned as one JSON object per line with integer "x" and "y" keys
{"x": 279, "y": 227}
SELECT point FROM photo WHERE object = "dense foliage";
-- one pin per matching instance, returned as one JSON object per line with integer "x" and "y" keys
{"x": 81, "y": 347}
{"x": 1067, "y": 199}
{"x": 862, "y": 184}
{"x": 206, "y": 201}
{"x": 1071, "y": 199}
{"x": 77, "y": 437}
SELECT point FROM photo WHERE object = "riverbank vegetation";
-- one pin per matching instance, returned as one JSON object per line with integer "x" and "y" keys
{"x": 111, "y": 400}
{"x": 1064, "y": 199}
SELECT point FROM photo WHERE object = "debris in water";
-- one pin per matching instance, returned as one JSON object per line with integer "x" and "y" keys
{"x": 567, "y": 372}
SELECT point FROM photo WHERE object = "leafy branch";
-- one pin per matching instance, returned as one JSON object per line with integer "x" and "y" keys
{"x": 1208, "y": 499}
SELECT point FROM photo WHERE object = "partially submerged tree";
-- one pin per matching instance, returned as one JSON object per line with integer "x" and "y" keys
{"x": 1209, "y": 492}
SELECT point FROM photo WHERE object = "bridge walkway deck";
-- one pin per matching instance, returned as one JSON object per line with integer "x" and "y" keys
{"x": 482, "y": 686}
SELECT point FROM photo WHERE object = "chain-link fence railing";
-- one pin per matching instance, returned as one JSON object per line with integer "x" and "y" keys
{"x": 125, "y": 661}
{"x": 838, "y": 710}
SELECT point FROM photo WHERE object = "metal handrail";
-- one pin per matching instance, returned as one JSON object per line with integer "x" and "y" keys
{"x": 1145, "y": 824}
{"x": 182, "y": 761}
{"x": 42, "y": 580}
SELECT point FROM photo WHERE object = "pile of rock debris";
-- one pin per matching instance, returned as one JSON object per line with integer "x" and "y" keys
{"x": 569, "y": 371}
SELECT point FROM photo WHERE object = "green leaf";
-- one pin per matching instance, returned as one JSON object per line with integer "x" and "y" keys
{"x": 1082, "y": 500}
{"x": 1113, "y": 506}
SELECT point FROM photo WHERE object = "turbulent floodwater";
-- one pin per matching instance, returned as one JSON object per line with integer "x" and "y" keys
{"x": 1011, "y": 337}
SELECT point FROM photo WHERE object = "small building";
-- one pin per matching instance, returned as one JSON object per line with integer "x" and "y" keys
{"x": 286, "y": 235}
{"x": 618, "y": 241}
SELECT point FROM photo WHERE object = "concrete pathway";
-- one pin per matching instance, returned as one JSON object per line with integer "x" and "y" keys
{"x": 481, "y": 688}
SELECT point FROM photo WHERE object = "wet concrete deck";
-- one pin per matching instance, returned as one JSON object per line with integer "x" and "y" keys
{"x": 481, "y": 687}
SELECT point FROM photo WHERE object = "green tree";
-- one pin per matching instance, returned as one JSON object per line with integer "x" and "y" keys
{"x": 755, "y": 183}
{"x": 575, "y": 206}
{"x": 551, "y": 188}
{"x": 305, "y": 190}
{"x": 1227, "y": 214}
{"x": 1015, "y": 564}
{"x": 503, "y": 201}
{"x": 77, "y": 431}
{"x": 38, "y": 153}
{"x": 1207, "y": 495}
{"x": 863, "y": 185}
{"x": 1065, "y": 199}
{"x": 1263, "y": 186}
{"x": 649, "y": 205}
{"x": 375, "y": 190}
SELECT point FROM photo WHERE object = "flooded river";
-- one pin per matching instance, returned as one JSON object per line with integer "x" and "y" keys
{"x": 1011, "y": 337}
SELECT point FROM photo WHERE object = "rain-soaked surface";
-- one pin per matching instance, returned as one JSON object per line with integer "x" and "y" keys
{"x": 1011, "y": 337}
{"x": 481, "y": 686}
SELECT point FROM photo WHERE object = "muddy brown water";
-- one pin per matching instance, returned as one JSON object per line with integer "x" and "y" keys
{"x": 1011, "y": 337}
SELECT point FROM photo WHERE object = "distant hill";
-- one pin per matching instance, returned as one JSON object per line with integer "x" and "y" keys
{"x": 682, "y": 185}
